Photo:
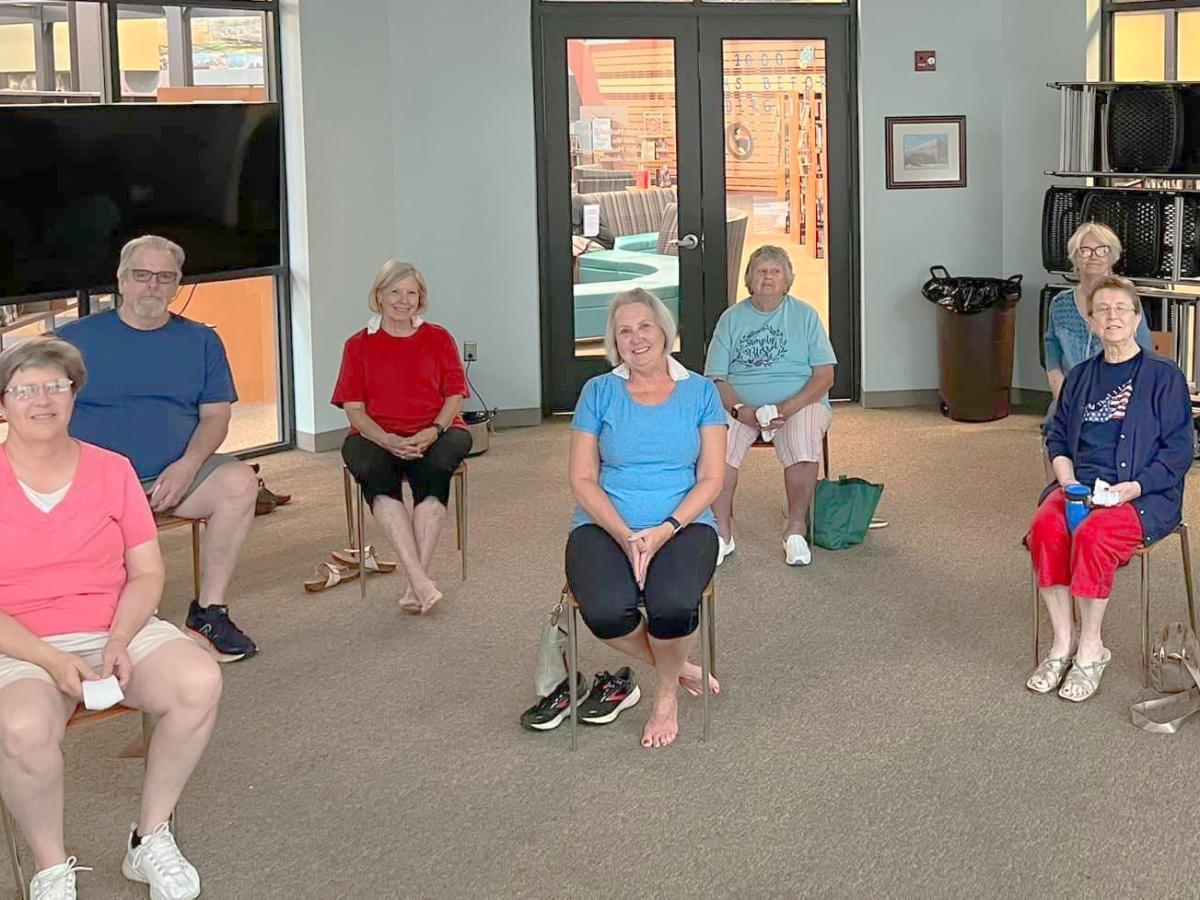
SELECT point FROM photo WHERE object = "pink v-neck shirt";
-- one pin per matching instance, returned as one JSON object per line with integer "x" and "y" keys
{"x": 63, "y": 571}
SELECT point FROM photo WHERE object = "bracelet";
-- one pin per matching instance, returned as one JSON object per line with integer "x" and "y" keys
{"x": 735, "y": 409}
{"x": 674, "y": 523}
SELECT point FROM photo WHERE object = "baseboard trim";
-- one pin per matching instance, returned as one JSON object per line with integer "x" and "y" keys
{"x": 324, "y": 441}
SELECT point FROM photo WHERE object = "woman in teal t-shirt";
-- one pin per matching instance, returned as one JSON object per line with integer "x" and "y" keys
{"x": 647, "y": 454}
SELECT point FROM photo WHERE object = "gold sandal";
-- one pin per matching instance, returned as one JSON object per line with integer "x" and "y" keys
{"x": 1049, "y": 674}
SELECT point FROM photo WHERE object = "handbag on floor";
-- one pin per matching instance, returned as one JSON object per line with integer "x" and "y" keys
{"x": 843, "y": 511}
{"x": 551, "y": 668}
{"x": 1174, "y": 657}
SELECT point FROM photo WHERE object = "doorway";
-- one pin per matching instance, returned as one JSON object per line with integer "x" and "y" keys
{"x": 672, "y": 142}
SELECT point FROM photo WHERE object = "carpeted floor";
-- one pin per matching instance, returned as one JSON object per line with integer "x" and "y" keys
{"x": 873, "y": 737}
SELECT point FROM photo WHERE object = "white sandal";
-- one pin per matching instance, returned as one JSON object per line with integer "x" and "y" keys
{"x": 372, "y": 563}
{"x": 329, "y": 575}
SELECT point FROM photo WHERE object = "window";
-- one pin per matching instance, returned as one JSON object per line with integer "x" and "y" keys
{"x": 1152, "y": 40}
{"x": 166, "y": 52}
{"x": 49, "y": 53}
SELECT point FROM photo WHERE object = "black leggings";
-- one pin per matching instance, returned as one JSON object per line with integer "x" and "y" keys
{"x": 382, "y": 474}
{"x": 601, "y": 578}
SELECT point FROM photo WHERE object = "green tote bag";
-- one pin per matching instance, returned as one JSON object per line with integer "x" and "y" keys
{"x": 843, "y": 511}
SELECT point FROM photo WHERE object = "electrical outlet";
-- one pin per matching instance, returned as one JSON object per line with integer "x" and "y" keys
{"x": 470, "y": 351}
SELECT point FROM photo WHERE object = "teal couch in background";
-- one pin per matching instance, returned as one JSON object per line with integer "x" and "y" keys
{"x": 607, "y": 272}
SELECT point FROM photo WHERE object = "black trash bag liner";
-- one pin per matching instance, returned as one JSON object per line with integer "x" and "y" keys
{"x": 971, "y": 295}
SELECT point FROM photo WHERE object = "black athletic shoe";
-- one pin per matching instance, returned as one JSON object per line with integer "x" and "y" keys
{"x": 211, "y": 625}
{"x": 549, "y": 712}
{"x": 610, "y": 695}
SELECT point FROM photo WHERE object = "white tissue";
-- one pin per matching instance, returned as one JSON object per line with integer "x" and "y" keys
{"x": 103, "y": 693}
{"x": 766, "y": 415}
{"x": 1103, "y": 495}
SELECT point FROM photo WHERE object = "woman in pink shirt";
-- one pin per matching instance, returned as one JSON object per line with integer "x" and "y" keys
{"x": 80, "y": 580}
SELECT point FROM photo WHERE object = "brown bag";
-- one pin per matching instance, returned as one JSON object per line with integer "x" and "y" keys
{"x": 1174, "y": 659}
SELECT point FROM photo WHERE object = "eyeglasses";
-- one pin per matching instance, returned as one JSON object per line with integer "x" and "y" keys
{"x": 1098, "y": 252}
{"x": 145, "y": 276}
{"x": 29, "y": 391}
{"x": 1103, "y": 310}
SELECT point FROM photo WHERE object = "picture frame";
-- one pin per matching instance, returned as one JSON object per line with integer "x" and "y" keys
{"x": 925, "y": 151}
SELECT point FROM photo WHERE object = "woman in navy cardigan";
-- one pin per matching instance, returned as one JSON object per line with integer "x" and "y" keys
{"x": 1123, "y": 416}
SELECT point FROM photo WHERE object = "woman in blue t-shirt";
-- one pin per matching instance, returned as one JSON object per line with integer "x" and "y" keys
{"x": 647, "y": 459}
{"x": 1124, "y": 417}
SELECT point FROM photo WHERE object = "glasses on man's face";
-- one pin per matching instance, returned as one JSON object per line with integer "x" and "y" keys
{"x": 1103, "y": 310}
{"x": 146, "y": 275}
{"x": 1098, "y": 252}
{"x": 29, "y": 391}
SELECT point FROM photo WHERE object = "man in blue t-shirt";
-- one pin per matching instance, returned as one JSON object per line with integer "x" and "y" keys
{"x": 773, "y": 365}
{"x": 159, "y": 391}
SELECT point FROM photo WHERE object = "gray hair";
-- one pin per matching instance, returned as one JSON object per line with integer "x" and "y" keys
{"x": 44, "y": 352}
{"x": 770, "y": 253}
{"x": 1115, "y": 283}
{"x": 389, "y": 273}
{"x": 658, "y": 309}
{"x": 1100, "y": 232}
{"x": 149, "y": 242}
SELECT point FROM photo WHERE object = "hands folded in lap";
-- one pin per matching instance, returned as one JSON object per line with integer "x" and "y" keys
{"x": 641, "y": 546}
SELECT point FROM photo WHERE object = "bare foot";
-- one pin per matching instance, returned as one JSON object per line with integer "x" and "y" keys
{"x": 428, "y": 597}
{"x": 409, "y": 601}
{"x": 663, "y": 726}
{"x": 691, "y": 680}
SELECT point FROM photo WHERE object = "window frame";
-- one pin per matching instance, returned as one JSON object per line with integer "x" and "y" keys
{"x": 1111, "y": 8}
{"x": 273, "y": 79}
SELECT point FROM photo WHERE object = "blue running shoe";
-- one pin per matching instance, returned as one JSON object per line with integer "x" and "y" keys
{"x": 213, "y": 626}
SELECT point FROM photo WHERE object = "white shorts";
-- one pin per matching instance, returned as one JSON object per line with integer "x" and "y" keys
{"x": 88, "y": 645}
{"x": 797, "y": 440}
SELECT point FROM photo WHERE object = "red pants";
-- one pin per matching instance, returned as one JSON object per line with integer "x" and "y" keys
{"x": 1087, "y": 561}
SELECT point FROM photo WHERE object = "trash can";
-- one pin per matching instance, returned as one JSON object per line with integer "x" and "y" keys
{"x": 976, "y": 326}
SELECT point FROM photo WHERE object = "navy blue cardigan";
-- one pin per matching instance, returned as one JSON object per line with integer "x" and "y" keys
{"x": 1156, "y": 443}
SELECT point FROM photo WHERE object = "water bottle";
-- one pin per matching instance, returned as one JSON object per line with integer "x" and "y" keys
{"x": 1077, "y": 504}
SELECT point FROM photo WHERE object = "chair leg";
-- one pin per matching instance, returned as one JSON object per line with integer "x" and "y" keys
{"x": 573, "y": 666}
{"x": 360, "y": 543}
{"x": 14, "y": 850}
{"x": 704, "y": 645}
{"x": 1185, "y": 549}
{"x": 460, "y": 516}
{"x": 1037, "y": 619}
{"x": 1145, "y": 620}
{"x": 712, "y": 630}
{"x": 196, "y": 559}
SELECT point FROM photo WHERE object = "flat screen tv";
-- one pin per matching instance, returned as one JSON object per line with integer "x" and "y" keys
{"x": 77, "y": 182}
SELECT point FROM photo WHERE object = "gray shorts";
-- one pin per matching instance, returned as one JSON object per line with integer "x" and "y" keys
{"x": 209, "y": 466}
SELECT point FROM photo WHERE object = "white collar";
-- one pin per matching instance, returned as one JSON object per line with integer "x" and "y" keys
{"x": 675, "y": 369}
{"x": 376, "y": 321}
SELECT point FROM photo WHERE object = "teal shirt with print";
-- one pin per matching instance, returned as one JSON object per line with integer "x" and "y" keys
{"x": 768, "y": 357}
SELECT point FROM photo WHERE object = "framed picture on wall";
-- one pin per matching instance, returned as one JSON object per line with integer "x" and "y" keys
{"x": 926, "y": 151}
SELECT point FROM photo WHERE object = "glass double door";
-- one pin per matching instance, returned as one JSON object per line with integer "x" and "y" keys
{"x": 672, "y": 147}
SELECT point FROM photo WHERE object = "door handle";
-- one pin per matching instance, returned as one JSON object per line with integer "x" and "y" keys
{"x": 685, "y": 242}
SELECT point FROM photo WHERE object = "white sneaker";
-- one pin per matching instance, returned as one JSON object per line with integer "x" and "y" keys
{"x": 724, "y": 548}
{"x": 796, "y": 550}
{"x": 56, "y": 882}
{"x": 156, "y": 861}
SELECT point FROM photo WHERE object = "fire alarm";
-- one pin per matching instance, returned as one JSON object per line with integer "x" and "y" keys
{"x": 925, "y": 61}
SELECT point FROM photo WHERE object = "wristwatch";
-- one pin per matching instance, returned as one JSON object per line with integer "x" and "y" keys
{"x": 439, "y": 429}
{"x": 735, "y": 409}
{"x": 673, "y": 522}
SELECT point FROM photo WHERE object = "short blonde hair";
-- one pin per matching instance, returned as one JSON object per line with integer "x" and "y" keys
{"x": 44, "y": 352}
{"x": 770, "y": 253}
{"x": 1115, "y": 283}
{"x": 658, "y": 309}
{"x": 149, "y": 242}
{"x": 1101, "y": 233}
{"x": 389, "y": 273}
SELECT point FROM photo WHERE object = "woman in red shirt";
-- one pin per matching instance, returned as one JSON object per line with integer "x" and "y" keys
{"x": 81, "y": 577}
{"x": 402, "y": 386}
